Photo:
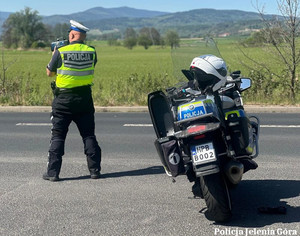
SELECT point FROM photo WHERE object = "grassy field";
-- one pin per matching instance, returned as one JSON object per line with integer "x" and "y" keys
{"x": 125, "y": 77}
{"x": 122, "y": 76}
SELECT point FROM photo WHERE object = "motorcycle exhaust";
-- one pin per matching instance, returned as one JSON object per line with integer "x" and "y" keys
{"x": 234, "y": 171}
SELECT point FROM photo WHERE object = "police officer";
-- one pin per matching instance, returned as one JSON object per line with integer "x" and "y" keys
{"x": 73, "y": 65}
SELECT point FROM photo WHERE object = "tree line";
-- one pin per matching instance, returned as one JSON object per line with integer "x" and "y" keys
{"x": 148, "y": 37}
{"x": 25, "y": 29}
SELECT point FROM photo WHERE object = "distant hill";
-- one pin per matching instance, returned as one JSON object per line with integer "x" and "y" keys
{"x": 192, "y": 23}
{"x": 100, "y": 13}
{"x": 3, "y": 17}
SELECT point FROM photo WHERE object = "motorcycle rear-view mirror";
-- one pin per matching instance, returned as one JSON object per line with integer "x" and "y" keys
{"x": 245, "y": 84}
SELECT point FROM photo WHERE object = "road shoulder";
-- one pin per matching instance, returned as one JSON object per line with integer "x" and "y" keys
{"x": 248, "y": 108}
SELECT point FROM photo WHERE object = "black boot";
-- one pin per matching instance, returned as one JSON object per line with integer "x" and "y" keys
{"x": 50, "y": 178}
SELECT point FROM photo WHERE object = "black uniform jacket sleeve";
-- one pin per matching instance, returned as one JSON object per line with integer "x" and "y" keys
{"x": 55, "y": 62}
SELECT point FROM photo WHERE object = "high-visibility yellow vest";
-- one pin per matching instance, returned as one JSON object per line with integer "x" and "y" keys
{"x": 77, "y": 67}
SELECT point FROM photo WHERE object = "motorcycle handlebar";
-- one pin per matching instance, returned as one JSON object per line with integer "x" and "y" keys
{"x": 230, "y": 80}
{"x": 181, "y": 93}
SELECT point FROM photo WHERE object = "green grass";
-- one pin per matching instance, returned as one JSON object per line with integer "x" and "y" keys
{"x": 117, "y": 72}
{"x": 125, "y": 77}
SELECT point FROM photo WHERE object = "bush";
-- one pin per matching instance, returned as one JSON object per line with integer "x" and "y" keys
{"x": 267, "y": 89}
{"x": 38, "y": 44}
{"x": 130, "y": 43}
{"x": 22, "y": 90}
{"x": 133, "y": 90}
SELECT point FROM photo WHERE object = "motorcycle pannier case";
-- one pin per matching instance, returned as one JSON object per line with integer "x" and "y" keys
{"x": 163, "y": 123}
{"x": 241, "y": 132}
{"x": 170, "y": 155}
{"x": 161, "y": 115}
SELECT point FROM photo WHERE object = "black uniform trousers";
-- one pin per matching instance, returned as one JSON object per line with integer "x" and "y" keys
{"x": 73, "y": 105}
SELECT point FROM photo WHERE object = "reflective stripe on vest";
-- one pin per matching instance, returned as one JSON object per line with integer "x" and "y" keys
{"x": 75, "y": 73}
{"x": 77, "y": 67}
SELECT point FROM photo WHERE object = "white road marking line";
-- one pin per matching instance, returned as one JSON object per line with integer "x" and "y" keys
{"x": 280, "y": 126}
{"x": 150, "y": 125}
{"x": 138, "y": 125}
{"x": 262, "y": 126}
{"x": 33, "y": 124}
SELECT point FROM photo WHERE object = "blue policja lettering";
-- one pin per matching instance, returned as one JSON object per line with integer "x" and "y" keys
{"x": 193, "y": 114}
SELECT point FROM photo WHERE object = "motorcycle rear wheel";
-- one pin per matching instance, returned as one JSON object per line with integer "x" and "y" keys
{"x": 217, "y": 197}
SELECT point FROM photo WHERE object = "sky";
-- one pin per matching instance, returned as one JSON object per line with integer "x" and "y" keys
{"x": 64, "y": 7}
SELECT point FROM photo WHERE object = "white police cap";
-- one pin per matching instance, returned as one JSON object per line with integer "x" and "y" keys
{"x": 78, "y": 27}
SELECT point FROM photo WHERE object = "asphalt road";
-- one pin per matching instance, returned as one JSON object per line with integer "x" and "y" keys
{"x": 134, "y": 196}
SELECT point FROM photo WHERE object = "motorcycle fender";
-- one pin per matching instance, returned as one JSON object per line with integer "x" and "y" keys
{"x": 207, "y": 169}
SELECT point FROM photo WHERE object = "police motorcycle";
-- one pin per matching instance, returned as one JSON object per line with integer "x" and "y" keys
{"x": 204, "y": 132}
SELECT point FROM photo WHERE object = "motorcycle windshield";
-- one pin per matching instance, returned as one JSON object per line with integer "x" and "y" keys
{"x": 175, "y": 80}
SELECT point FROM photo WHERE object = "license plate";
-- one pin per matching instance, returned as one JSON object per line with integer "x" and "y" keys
{"x": 203, "y": 153}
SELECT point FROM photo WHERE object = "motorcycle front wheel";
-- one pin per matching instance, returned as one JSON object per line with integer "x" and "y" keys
{"x": 217, "y": 197}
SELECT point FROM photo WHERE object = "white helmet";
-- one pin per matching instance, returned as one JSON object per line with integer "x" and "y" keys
{"x": 208, "y": 70}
